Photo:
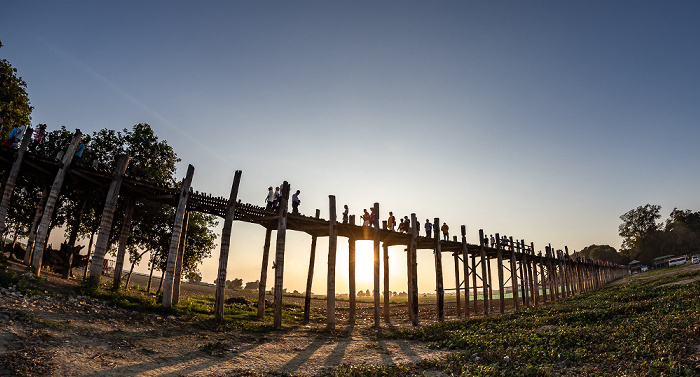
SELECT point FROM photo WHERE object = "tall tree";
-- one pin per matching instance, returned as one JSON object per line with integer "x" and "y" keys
{"x": 15, "y": 108}
{"x": 638, "y": 223}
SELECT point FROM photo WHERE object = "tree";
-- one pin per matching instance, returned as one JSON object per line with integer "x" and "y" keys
{"x": 15, "y": 108}
{"x": 604, "y": 253}
{"x": 236, "y": 283}
{"x": 194, "y": 277}
{"x": 252, "y": 285}
{"x": 638, "y": 223}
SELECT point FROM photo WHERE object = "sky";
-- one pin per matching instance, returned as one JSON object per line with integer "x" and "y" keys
{"x": 541, "y": 120}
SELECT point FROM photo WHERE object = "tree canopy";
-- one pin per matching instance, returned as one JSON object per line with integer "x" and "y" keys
{"x": 643, "y": 238}
{"x": 15, "y": 108}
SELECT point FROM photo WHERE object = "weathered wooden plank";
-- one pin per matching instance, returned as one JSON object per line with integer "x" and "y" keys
{"x": 123, "y": 239}
{"x": 263, "y": 274}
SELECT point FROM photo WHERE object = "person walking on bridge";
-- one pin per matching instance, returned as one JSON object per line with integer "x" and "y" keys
{"x": 428, "y": 228}
{"x": 445, "y": 232}
{"x": 391, "y": 221}
{"x": 296, "y": 202}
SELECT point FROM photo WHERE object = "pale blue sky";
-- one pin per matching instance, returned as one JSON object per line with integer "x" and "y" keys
{"x": 544, "y": 120}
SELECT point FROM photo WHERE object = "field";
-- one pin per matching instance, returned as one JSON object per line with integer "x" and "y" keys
{"x": 644, "y": 325}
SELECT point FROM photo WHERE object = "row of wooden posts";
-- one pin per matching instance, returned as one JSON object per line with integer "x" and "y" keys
{"x": 535, "y": 279}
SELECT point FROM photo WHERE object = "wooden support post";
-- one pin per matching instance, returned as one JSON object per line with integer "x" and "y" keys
{"x": 279, "y": 254}
{"x": 525, "y": 282}
{"x": 501, "y": 285}
{"x": 169, "y": 276}
{"x": 12, "y": 178}
{"x": 310, "y": 276}
{"x": 513, "y": 277}
{"x": 107, "y": 217}
{"x": 409, "y": 281}
{"x": 439, "y": 288}
{"x": 224, "y": 251}
{"x": 567, "y": 270}
{"x": 377, "y": 292}
{"x": 351, "y": 277}
{"x": 465, "y": 262}
{"x": 332, "y": 250}
{"x": 180, "y": 259}
{"x": 414, "y": 273}
{"x": 458, "y": 284}
{"x": 32, "y": 232}
{"x": 484, "y": 279}
{"x": 123, "y": 239}
{"x": 562, "y": 274}
{"x": 77, "y": 218}
{"x": 535, "y": 289}
{"x": 263, "y": 273}
{"x": 551, "y": 274}
{"x": 489, "y": 273}
{"x": 474, "y": 281}
{"x": 543, "y": 282}
{"x": 387, "y": 292}
{"x": 45, "y": 224}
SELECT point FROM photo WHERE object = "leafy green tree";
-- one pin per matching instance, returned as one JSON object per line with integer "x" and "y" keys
{"x": 605, "y": 253}
{"x": 636, "y": 224}
{"x": 15, "y": 108}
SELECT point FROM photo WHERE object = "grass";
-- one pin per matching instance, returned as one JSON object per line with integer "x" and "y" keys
{"x": 642, "y": 328}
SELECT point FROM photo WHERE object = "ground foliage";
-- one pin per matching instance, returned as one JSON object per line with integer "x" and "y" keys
{"x": 644, "y": 328}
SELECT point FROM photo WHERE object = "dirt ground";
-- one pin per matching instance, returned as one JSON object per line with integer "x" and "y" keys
{"x": 61, "y": 333}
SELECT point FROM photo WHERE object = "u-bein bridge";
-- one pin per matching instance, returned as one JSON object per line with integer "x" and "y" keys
{"x": 535, "y": 279}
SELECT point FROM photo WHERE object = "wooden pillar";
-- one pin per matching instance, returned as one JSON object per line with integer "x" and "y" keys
{"x": 562, "y": 274}
{"x": 439, "y": 288}
{"x": 279, "y": 254}
{"x": 409, "y": 280}
{"x": 123, "y": 239}
{"x": 501, "y": 286}
{"x": 535, "y": 289}
{"x": 180, "y": 259}
{"x": 332, "y": 249}
{"x": 351, "y": 277}
{"x": 77, "y": 218}
{"x": 465, "y": 262}
{"x": 414, "y": 273}
{"x": 169, "y": 275}
{"x": 542, "y": 281}
{"x": 553, "y": 291}
{"x": 32, "y": 232}
{"x": 489, "y": 285}
{"x": 45, "y": 224}
{"x": 458, "y": 284}
{"x": 224, "y": 250}
{"x": 484, "y": 279}
{"x": 387, "y": 292}
{"x": 12, "y": 178}
{"x": 263, "y": 274}
{"x": 474, "y": 280}
{"x": 525, "y": 282}
{"x": 310, "y": 275}
{"x": 513, "y": 277}
{"x": 377, "y": 292}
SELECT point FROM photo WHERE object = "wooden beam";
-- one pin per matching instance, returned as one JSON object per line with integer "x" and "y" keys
{"x": 484, "y": 280}
{"x": 499, "y": 268}
{"x": 12, "y": 178}
{"x": 123, "y": 239}
{"x": 351, "y": 274}
{"x": 263, "y": 274}
{"x": 439, "y": 288}
{"x": 376, "y": 293}
{"x": 414, "y": 274}
{"x": 279, "y": 254}
{"x": 310, "y": 276}
{"x": 514, "y": 277}
{"x": 387, "y": 292}
{"x": 179, "y": 220}
{"x": 180, "y": 259}
{"x": 332, "y": 250}
{"x": 465, "y": 262}
{"x": 45, "y": 224}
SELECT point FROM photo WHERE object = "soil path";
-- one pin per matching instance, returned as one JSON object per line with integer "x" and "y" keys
{"x": 61, "y": 333}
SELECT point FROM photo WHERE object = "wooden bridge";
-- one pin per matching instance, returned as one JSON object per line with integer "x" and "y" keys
{"x": 535, "y": 279}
